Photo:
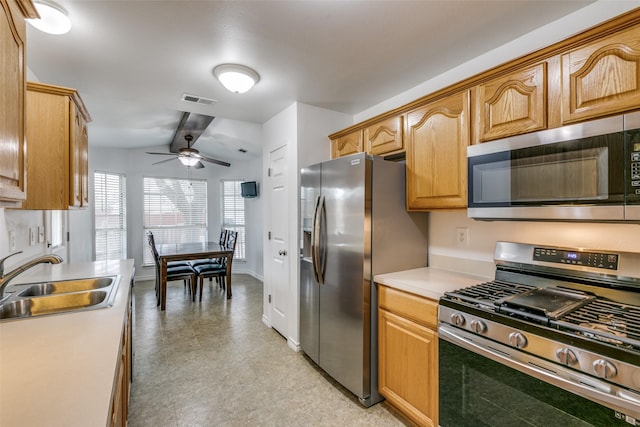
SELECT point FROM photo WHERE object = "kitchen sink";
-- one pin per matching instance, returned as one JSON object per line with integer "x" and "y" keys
{"x": 58, "y": 297}
{"x": 29, "y": 307}
{"x": 49, "y": 288}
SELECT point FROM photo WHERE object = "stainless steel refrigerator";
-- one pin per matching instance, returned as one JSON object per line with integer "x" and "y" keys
{"x": 354, "y": 225}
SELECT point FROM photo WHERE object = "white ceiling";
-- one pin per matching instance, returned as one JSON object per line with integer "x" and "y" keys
{"x": 131, "y": 61}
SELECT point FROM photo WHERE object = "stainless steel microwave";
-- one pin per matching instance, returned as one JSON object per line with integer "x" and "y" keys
{"x": 587, "y": 172}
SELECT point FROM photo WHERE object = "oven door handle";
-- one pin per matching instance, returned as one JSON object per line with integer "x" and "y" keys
{"x": 590, "y": 388}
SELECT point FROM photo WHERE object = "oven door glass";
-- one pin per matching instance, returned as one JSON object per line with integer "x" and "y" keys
{"x": 476, "y": 391}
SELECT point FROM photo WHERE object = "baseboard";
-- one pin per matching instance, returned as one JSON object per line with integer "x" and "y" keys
{"x": 293, "y": 345}
{"x": 266, "y": 321}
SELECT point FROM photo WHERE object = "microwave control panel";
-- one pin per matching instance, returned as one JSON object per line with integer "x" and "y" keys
{"x": 634, "y": 168}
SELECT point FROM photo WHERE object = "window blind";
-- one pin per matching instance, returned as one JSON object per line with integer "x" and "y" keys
{"x": 175, "y": 211}
{"x": 110, "y": 210}
{"x": 233, "y": 213}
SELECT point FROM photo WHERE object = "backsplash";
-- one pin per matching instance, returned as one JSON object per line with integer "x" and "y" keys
{"x": 15, "y": 228}
{"x": 476, "y": 257}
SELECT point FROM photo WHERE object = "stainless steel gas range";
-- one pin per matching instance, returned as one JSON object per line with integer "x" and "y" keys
{"x": 553, "y": 340}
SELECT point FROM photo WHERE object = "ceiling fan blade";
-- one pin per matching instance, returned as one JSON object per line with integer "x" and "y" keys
{"x": 163, "y": 154}
{"x": 216, "y": 161}
{"x": 164, "y": 161}
{"x": 198, "y": 165}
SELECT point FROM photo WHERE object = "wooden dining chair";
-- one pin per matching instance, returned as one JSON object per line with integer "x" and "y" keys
{"x": 175, "y": 271}
{"x": 221, "y": 240}
{"x": 217, "y": 270}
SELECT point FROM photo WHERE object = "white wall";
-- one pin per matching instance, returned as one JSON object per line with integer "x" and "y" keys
{"x": 304, "y": 129}
{"x": 556, "y": 31}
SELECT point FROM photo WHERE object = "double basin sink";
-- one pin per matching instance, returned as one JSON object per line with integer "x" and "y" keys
{"x": 57, "y": 297}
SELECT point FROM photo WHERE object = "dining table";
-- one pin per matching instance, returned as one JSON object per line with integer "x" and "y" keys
{"x": 168, "y": 252}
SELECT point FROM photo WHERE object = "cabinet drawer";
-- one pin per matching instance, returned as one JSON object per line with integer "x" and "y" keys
{"x": 419, "y": 309}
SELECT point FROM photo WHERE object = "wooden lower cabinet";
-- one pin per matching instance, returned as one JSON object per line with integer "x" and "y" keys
{"x": 122, "y": 384}
{"x": 408, "y": 354}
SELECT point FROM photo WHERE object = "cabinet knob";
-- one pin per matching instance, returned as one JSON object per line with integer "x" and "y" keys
{"x": 282, "y": 252}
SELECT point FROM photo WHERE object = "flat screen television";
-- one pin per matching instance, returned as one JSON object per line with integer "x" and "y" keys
{"x": 249, "y": 189}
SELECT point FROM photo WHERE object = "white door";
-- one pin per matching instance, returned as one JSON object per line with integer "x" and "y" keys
{"x": 278, "y": 243}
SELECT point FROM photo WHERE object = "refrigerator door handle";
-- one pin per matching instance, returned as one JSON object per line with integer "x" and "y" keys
{"x": 322, "y": 240}
{"x": 315, "y": 232}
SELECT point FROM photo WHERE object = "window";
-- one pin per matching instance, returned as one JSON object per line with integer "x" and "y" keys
{"x": 175, "y": 210}
{"x": 233, "y": 214}
{"x": 110, "y": 216}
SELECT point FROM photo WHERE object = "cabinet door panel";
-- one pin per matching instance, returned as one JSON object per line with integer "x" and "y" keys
{"x": 438, "y": 136}
{"x": 384, "y": 137}
{"x": 12, "y": 105}
{"x": 408, "y": 367}
{"x": 512, "y": 104}
{"x": 602, "y": 77}
{"x": 348, "y": 144}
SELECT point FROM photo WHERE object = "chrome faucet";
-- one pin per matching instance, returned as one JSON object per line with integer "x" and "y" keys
{"x": 6, "y": 278}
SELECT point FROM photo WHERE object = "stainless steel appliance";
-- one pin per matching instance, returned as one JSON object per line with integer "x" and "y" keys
{"x": 553, "y": 340}
{"x": 587, "y": 171}
{"x": 354, "y": 225}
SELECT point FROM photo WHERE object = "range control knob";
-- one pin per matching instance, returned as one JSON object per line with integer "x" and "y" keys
{"x": 517, "y": 339}
{"x": 478, "y": 326}
{"x": 604, "y": 369}
{"x": 457, "y": 319}
{"x": 566, "y": 356}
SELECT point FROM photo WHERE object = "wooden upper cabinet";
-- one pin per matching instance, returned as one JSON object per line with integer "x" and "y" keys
{"x": 437, "y": 140}
{"x": 57, "y": 145}
{"x": 347, "y": 144}
{"x": 512, "y": 104}
{"x": 385, "y": 137}
{"x": 12, "y": 101}
{"x": 602, "y": 77}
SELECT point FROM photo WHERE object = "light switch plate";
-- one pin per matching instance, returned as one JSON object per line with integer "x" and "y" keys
{"x": 40, "y": 234}
{"x": 12, "y": 240}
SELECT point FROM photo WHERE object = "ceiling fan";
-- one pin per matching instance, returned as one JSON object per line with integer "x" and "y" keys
{"x": 190, "y": 157}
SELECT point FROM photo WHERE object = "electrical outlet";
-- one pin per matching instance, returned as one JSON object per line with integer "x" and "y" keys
{"x": 462, "y": 237}
{"x": 40, "y": 234}
{"x": 32, "y": 236}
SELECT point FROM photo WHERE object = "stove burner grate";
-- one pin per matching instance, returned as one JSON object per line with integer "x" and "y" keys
{"x": 488, "y": 292}
{"x": 606, "y": 320}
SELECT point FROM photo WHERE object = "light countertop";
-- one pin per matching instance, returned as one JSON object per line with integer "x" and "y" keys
{"x": 428, "y": 282}
{"x": 59, "y": 370}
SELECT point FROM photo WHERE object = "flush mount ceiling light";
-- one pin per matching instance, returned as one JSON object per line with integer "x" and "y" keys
{"x": 236, "y": 78}
{"x": 53, "y": 18}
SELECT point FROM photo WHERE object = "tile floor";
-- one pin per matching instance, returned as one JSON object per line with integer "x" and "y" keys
{"x": 216, "y": 364}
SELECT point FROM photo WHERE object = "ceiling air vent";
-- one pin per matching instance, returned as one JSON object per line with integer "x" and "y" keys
{"x": 197, "y": 99}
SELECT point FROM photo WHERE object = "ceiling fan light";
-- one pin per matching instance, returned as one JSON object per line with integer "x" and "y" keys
{"x": 236, "y": 78}
{"x": 53, "y": 18}
{"x": 188, "y": 161}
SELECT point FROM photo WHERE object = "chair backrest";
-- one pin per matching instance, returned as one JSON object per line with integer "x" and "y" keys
{"x": 152, "y": 245}
{"x": 232, "y": 237}
{"x": 223, "y": 236}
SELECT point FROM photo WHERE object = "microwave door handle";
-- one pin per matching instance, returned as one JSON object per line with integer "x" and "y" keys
{"x": 322, "y": 240}
{"x": 314, "y": 240}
